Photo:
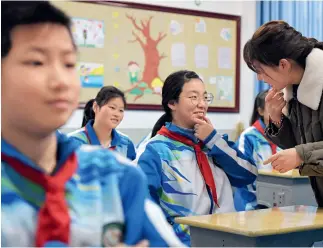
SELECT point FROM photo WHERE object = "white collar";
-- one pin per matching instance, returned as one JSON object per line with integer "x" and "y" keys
{"x": 310, "y": 89}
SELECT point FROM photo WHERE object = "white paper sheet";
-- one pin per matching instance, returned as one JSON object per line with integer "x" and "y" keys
{"x": 201, "y": 56}
{"x": 178, "y": 55}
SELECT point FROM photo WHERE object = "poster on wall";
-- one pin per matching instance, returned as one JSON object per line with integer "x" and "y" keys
{"x": 224, "y": 87}
{"x": 88, "y": 32}
{"x": 91, "y": 74}
{"x": 142, "y": 44}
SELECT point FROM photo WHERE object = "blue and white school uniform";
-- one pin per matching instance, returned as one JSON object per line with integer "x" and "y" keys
{"x": 120, "y": 142}
{"x": 105, "y": 196}
{"x": 175, "y": 180}
{"x": 253, "y": 144}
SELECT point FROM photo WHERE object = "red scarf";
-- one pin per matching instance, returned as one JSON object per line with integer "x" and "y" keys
{"x": 88, "y": 138}
{"x": 259, "y": 127}
{"x": 53, "y": 217}
{"x": 201, "y": 158}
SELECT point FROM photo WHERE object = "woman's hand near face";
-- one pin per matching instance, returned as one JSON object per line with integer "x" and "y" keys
{"x": 275, "y": 103}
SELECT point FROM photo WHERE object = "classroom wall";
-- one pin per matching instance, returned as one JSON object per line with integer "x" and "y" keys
{"x": 137, "y": 123}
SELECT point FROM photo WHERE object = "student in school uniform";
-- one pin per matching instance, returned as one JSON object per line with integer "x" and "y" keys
{"x": 101, "y": 117}
{"x": 55, "y": 192}
{"x": 189, "y": 166}
{"x": 253, "y": 143}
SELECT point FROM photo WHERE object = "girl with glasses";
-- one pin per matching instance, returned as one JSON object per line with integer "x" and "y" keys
{"x": 189, "y": 166}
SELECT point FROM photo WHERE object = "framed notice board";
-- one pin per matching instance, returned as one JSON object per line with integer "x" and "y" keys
{"x": 135, "y": 47}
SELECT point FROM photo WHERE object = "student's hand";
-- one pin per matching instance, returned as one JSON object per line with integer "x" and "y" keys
{"x": 274, "y": 104}
{"x": 143, "y": 243}
{"x": 203, "y": 128}
{"x": 285, "y": 160}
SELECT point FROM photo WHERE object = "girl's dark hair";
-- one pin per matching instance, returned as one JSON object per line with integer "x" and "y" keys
{"x": 16, "y": 13}
{"x": 277, "y": 40}
{"x": 172, "y": 88}
{"x": 259, "y": 103}
{"x": 105, "y": 94}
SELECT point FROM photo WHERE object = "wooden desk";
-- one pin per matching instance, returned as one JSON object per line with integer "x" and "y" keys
{"x": 284, "y": 226}
{"x": 276, "y": 189}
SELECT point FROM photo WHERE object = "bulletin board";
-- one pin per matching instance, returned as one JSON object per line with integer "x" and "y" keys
{"x": 135, "y": 47}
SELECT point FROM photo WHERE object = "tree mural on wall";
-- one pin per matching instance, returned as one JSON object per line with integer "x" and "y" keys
{"x": 150, "y": 83}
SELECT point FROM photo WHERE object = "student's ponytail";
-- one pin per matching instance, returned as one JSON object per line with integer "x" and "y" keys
{"x": 160, "y": 123}
{"x": 259, "y": 103}
{"x": 88, "y": 112}
{"x": 255, "y": 114}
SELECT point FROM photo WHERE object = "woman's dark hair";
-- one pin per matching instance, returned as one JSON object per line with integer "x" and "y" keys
{"x": 172, "y": 88}
{"x": 105, "y": 94}
{"x": 259, "y": 103}
{"x": 16, "y": 13}
{"x": 277, "y": 40}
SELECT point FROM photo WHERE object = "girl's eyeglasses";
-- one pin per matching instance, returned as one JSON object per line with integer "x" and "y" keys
{"x": 207, "y": 98}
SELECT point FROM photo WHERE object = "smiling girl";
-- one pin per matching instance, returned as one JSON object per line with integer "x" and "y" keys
{"x": 189, "y": 166}
{"x": 101, "y": 117}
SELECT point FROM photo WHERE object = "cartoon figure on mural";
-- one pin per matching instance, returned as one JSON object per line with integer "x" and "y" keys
{"x": 150, "y": 82}
{"x": 157, "y": 85}
{"x": 134, "y": 70}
